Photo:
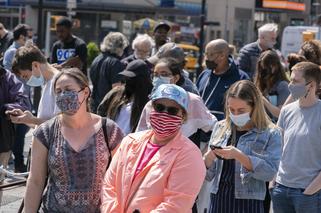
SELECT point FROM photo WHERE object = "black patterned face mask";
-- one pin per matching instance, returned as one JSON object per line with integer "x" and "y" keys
{"x": 67, "y": 102}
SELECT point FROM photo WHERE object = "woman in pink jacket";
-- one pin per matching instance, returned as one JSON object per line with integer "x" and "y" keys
{"x": 157, "y": 170}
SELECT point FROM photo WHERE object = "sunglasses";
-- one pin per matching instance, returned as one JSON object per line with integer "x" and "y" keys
{"x": 163, "y": 108}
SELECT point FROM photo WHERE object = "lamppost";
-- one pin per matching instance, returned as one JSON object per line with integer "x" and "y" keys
{"x": 37, "y": 90}
{"x": 201, "y": 43}
{"x": 316, "y": 5}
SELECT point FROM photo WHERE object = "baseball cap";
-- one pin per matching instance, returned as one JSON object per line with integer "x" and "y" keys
{"x": 162, "y": 25}
{"x": 172, "y": 92}
{"x": 136, "y": 68}
{"x": 171, "y": 50}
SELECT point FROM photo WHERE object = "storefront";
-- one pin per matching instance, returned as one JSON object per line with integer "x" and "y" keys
{"x": 96, "y": 18}
{"x": 284, "y": 13}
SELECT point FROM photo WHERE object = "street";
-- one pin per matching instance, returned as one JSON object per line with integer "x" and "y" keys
{"x": 12, "y": 197}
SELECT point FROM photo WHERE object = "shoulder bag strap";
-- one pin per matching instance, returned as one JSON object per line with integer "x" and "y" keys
{"x": 104, "y": 126}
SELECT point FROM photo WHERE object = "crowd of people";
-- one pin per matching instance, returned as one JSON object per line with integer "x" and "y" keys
{"x": 136, "y": 134}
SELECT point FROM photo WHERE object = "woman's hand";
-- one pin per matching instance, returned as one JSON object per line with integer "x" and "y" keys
{"x": 209, "y": 157}
{"x": 229, "y": 152}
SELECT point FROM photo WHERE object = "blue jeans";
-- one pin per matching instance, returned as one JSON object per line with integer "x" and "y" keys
{"x": 291, "y": 200}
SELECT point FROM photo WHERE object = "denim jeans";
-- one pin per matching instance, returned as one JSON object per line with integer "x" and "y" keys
{"x": 291, "y": 200}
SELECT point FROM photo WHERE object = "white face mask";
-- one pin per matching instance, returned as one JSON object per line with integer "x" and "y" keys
{"x": 36, "y": 81}
{"x": 159, "y": 80}
{"x": 140, "y": 56}
{"x": 240, "y": 120}
{"x": 270, "y": 44}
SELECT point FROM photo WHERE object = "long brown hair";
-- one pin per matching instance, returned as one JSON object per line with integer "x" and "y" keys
{"x": 264, "y": 78}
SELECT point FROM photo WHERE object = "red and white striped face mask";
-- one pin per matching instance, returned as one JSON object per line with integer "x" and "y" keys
{"x": 164, "y": 125}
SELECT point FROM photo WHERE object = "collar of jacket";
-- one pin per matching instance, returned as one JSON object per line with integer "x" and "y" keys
{"x": 231, "y": 69}
{"x": 107, "y": 53}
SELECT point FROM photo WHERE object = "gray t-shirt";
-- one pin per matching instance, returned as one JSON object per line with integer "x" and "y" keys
{"x": 301, "y": 158}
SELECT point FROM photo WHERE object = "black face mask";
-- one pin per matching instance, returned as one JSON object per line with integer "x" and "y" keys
{"x": 211, "y": 64}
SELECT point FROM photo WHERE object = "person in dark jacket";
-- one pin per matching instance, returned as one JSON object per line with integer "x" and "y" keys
{"x": 250, "y": 53}
{"x": 11, "y": 97}
{"x": 142, "y": 46}
{"x": 106, "y": 66}
{"x": 220, "y": 74}
{"x": 6, "y": 39}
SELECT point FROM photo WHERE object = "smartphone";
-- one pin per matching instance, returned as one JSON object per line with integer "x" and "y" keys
{"x": 215, "y": 147}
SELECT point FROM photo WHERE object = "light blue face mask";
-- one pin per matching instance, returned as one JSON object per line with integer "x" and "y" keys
{"x": 36, "y": 81}
{"x": 240, "y": 120}
{"x": 159, "y": 80}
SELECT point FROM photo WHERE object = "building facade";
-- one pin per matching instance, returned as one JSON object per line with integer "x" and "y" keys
{"x": 236, "y": 21}
{"x": 239, "y": 20}
{"x": 96, "y": 18}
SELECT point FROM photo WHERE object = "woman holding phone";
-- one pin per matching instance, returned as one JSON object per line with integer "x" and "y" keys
{"x": 244, "y": 153}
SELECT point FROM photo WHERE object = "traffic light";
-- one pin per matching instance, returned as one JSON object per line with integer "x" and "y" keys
{"x": 308, "y": 36}
{"x": 53, "y": 21}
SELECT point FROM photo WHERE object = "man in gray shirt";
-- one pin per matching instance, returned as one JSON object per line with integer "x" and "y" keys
{"x": 298, "y": 180}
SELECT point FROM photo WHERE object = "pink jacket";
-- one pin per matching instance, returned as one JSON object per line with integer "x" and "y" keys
{"x": 169, "y": 183}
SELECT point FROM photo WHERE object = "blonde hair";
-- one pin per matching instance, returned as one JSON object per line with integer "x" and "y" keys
{"x": 247, "y": 91}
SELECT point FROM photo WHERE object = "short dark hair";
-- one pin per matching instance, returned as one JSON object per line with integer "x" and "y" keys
{"x": 311, "y": 71}
{"x": 24, "y": 57}
{"x": 64, "y": 22}
{"x": 20, "y": 29}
